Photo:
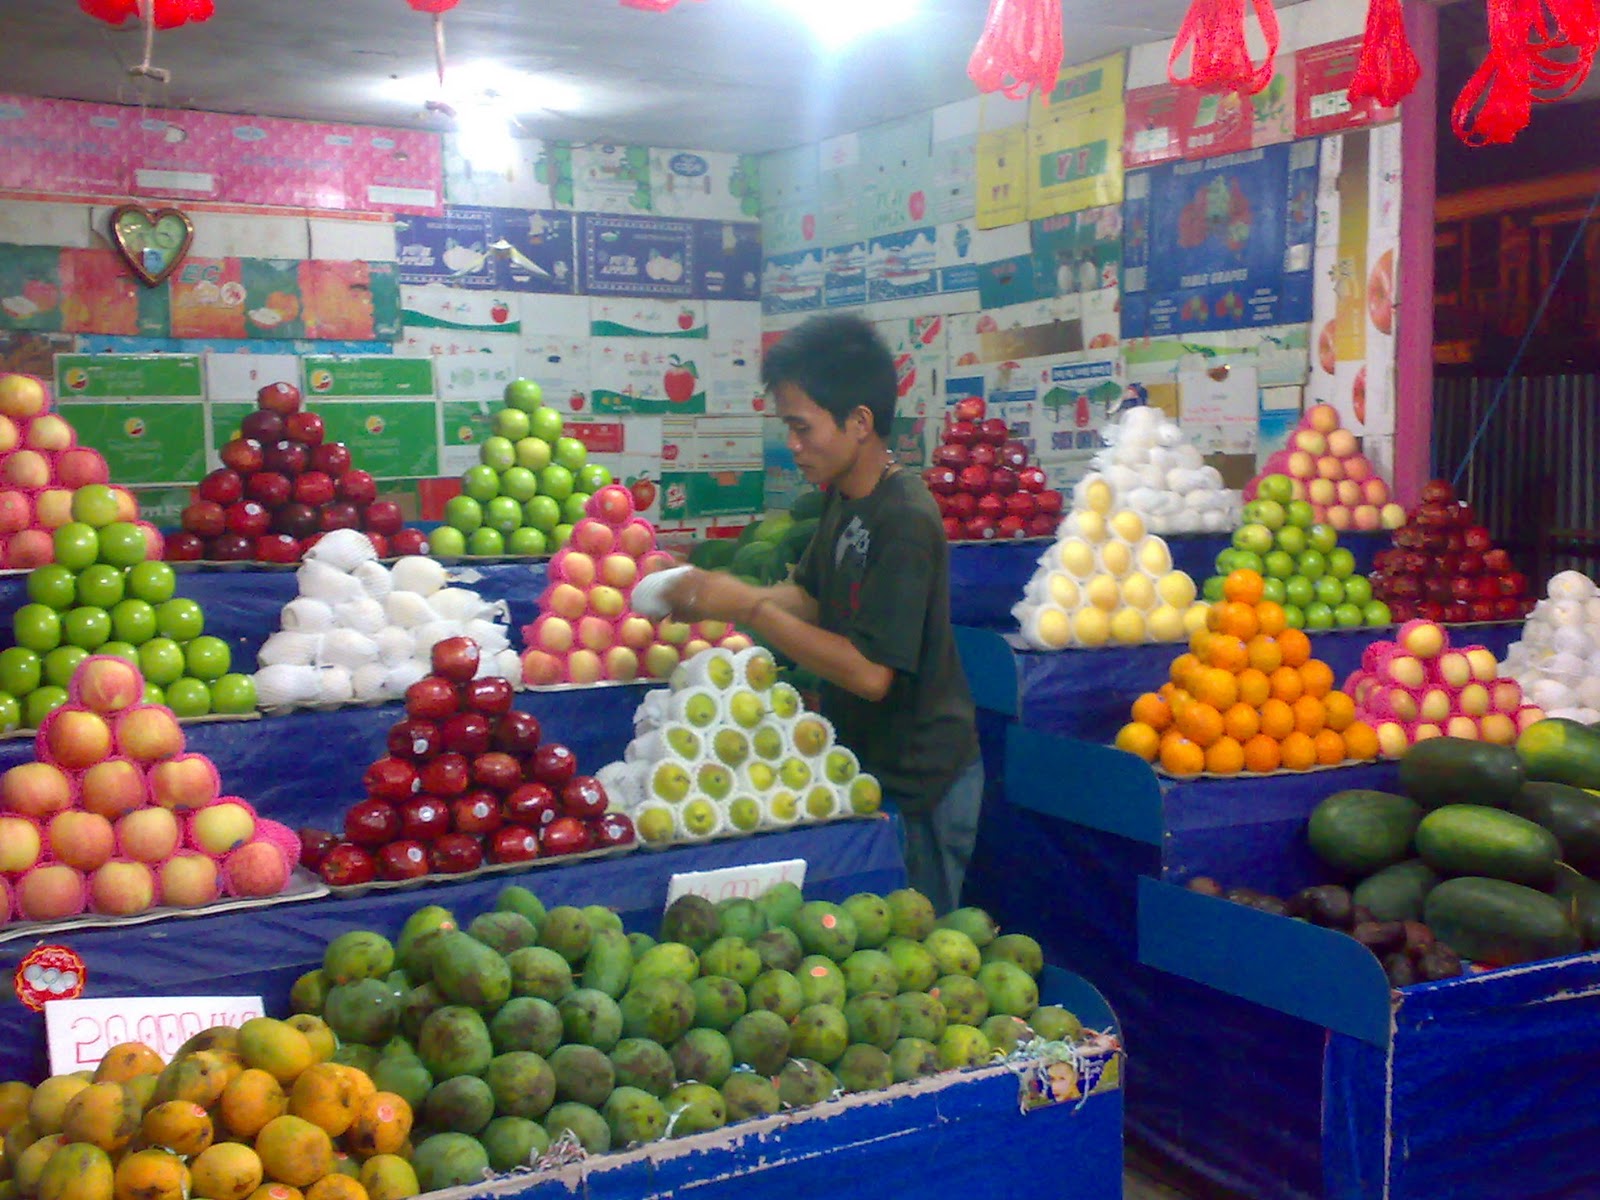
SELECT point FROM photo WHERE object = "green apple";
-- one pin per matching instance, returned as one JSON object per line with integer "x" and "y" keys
{"x": 101, "y": 586}
{"x": 152, "y": 582}
{"x": 1376, "y": 612}
{"x": 761, "y": 776}
{"x": 1329, "y": 590}
{"x": 1358, "y": 590}
{"x": 447, "y": 541}
{"x": 1265, "y": 512}
{"x": 767, "y": 742}
{"x": 53, "y": 586}
{"x": 1225, "y": 560}
{"x": 731, "y": 747}
{"x": 486, "y": 543}
{"x": 784, "y": 807}
{"x": 524, "y": 394}
{"x": 570, "y": 453}
{"x": 546, "y": 424}
{"x": 1313, "y": 565}
{"x": 1248, "y": 560}
{"x": 1341, "y": 563}
{"x": 715, "y": 780}
{"x": 1319, "y": 615}
{"x": 180, "y": 619}
{"x": 86, "y": 627}
{"x": 1255, "y": 538}
{"x": 744, "y": 813}
{"x": 541, "y": 513}
{"x": 670, "y": 782}
{"x": 674, "y": 633}
{"x": 122, "y": 544}
{"x": 810, "y": 736}
{"x": 1211, "y": 589}
{"x": 37, "y": 627}
{"x": 502, "y": 514}
{"x": 591, "y": 477}
{"x": 154, "y": 693}
{"x": 1279, "y": 564}
{"x": 512, "y": 424}
{"x": 10, "y": 713}
{"x": 161, "y": 661}
{"x": 464, "y": 513}
{"x": 785, "y": 700}
{"x": 719, "y": 670}
{"x": 655, "y": 824}
{"x": 95, "y": 504}
{"x": 133, "y": 621}
{"x": 1298, "y": 590}
{"x": 1292, "y": 540}
{"x": 685, "y": 743}
{"x": 526, "y": 540}
{"x": 121, "y": 649}
{"x": 40, "y": 703}
{"x": 1275, "y": 487}
{"x": 761, "y": 672}
{"x": 77, "y": 545}
{"x": 1273, "y": 589}
{"x": 497, "y": 454}
{"x": 1323, "y": 538}
{"x": 745, "y": 709}
{"x": 840, "y": 766}
{"x": 207, "y": 658}
{"x": 481, "y": 483}
{"x": 555, "y": 481}
{"x": 821, "y": 803}
{"x": 519, "y": 483}
{"x": 1294, "y": 616}
{"x": 866, "y": 796}
{"x": 233, "y": 694}
{"x": 572, "y": 508}
{"x": 795, "y": 773}
{"x": 1347, "y": 615}
{"x": 700, "y": 817}
{"x": 533, "y": 453}
{"x": 20, "y": 671}
{"x": 189, "y": 698}
{"x": 560, "y": 536}
{"x": 1300, "y": 514}
{"x": 700, "y": 710}
{"x": 61, "y": 662}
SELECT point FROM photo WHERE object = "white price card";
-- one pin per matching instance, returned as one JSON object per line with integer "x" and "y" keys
{"x": 730, "y": 883}
{"x": 82, "y": 1031}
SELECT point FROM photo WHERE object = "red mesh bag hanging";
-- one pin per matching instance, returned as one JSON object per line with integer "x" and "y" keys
{"x": 1020, "y": 48}
{"x": 112, "y": 12}
{"x": 1539, "y": 51}
{"x": 1220, "y": 60}
{"x": 167, "y": 14}
{"x": 1387, "y": 70}
{"x": 433, "y": 6}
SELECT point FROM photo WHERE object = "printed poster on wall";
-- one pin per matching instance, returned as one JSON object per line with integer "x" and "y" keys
{"x": 727, "y": 260}
{"x": 1223, "y": 243}
{"x": 1081, "y": 89}
{"x": 489, "y": 249}
{"x": 145, "y": 413}
{"x": 610, "y": 178}
{"x": 712, "y": 186}
{"x": 1166, "y": 122}
{"x": 1002, "y": 177}
{"x": 1322, "y": 84}
{"x": 793, "y": 283}
{"x": 1075, "y": 162}
{"x": 637, "y": 256}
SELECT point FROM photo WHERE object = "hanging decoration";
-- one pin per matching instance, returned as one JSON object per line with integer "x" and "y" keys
{"x": 650, "y": 5}
{"x": 1219, "y": 61}
{"x": 433, "y": 6}
{"x": 1540, "y": 51}
{"x": 153, "y": 15}
{"x": 1387, "y": 70}
{"x": 1020, "y": 49}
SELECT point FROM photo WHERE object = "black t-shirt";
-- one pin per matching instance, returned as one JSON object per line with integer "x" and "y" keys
{"x": 879, "y": 568}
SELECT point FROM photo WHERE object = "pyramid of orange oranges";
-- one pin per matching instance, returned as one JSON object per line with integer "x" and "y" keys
{"x": 1247, "y": 697}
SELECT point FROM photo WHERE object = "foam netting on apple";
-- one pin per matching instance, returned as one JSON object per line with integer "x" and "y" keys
{"x": 282, "y": 486}
{"x": 587, "y": 631}
{"x": 729, "y": 749}
{"x": 42, "y": 468}
{"x": 114, "y": 817}
{"x": 1419, "y": 686}
{"x": 361, "y": 631}
{"x": 1327, "y": 469}
{"x": 1154, "y": 470}
{"x": 467, "y": 781}
{"x": 1557, "y": 659}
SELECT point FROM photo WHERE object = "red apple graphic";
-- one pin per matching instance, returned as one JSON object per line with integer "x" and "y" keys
{"x": 679, "y": 380}
{"x": 686, "y": 319}
{"x": 808, "y": 226}
{"x": 917, "y": 205}
{"x": 499, "y": 314}
{"x": 644, "y": 493}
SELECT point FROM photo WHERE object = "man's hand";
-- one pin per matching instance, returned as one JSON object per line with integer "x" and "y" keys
{"x": 712, "y": 596}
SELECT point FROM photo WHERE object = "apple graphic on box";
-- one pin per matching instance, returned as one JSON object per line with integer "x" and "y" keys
{"x": 220, "y": 828}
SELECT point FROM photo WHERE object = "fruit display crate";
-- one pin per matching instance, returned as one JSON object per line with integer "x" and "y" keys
{"x": 962, "y": 1133}
{"x": 1267, "y": 1055}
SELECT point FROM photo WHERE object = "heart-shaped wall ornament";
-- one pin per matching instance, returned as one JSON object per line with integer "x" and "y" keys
{"x": 153, "y": 243}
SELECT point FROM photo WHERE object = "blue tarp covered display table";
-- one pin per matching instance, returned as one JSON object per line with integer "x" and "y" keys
{"x": 262, "y": 951}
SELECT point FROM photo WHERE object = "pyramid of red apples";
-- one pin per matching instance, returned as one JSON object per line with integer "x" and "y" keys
{"x": 467, "y": 780}
{"x": 41, "y": 468}
{"x": 1444, "y": 566}
{"x": 983, "y": 482}
{"x": 280, "y": 488}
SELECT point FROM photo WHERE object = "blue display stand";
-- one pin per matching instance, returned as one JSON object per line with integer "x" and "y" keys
{"x": 263, "y": 951}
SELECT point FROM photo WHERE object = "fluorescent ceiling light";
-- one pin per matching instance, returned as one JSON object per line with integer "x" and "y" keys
{"x": 475, "y": 85}
{"x": 838, "y": 22}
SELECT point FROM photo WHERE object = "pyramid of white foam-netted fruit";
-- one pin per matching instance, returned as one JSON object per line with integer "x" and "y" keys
{"x": 1557, "y": 660}
{"x": 1105, "y": 580}
{"x": 728, "y": 750}
{"x": 1154, "y": 470}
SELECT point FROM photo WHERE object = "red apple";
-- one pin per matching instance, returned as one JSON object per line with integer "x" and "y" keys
{"x": 223, "y": 486}
{"x": 940, "y": 480}
{"x": 612, "y": 829}
{"x": 204, "y": 519}
{"x": 243, "y": 455}
{"x": 1497, "y": 561}
{"x": 1011, "y": 527}
{"x": 184, "y": 547}
{"x": 565, "y": 835}
{"x": 1513, "y": 583}
{"x": 975, "y": 480}
{"x": 379, "y": 544}
{"x": 339, "y": 514}
{"x": 954, "y": 457}
{"x": 991, "y": 507}
{"x": 264, "y": 425}
{"x": 296, "y": 520}
{"x": 532, "y": 804}
{"x": 979, "y": 529}
{"x": 385, "y": 517}
{"x": 1471, "y": 563}
{"x": 1002, "y": 481}
{"x": 1431, "y": 610}
{"x": 313, "y": 488}
{"x": 1021, "y": 505}
{"x": 1032, "y": 479}
{"x": 371, "y": 823}
{"x": 314, "y": 846}
{"x": 1049, "y": 502}
{"x": 477, "y": 813}
{"x": 1014, "y": 454}
{"x": 1438, "y": 492}
{"x": 230, "y": 547}
{"x": 995, "y": 431}
{"x": 281, "y": 398}
{"x": 1042, "y": 525}
{"x": 1477, "y": 538}
{"x": 431, "y": 699}
{"x": 305, "y": 426}
{"x": 970, "y": 408}
{"x": 357, "y": 487}
{"x": 490, "y": 695}
{"x": 1507, "y": 608}
{"x": 553, "y": 765}
{"x": 286, "y": 457}
{"x": 983, "y": 455}
{"x": 424, "y": 818}
{"x": 963, "y": 506}
{"x": 497, "y": 770}
{"x": 1462, "y": 588}
{"x": 331, "y": 458}
{"x": 391, "y": 779}
{"x": 403, "y": 860}
{"x": 518, "y": 733}
{"x": 584, "y": 796}
{"x": 466, "y": 733}
{"x": 456, "y": 853}
{"x": 961, "y": 433}
{"x": 446, "y": 776}
{"x": 456, "y": 659}
{"x": 348, "y": 865}
{"x": 513, "y": 843}
{"x": 953, "y": 529}
{"x": 409, "y": 541}
{"x": 277, "y": 548}
{"x": 248, "y": 519}
{"x": 269, "y": 488}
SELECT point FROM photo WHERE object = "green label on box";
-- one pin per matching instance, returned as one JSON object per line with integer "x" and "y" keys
{"x": 389, "y": 439}
{"x": 145, "y": 443}
{"x": 225, "y": 418}
{"x": 380, "y": 375}
{"x": 163, "y": 507}
{"x": 93, "y": 376}
{"x": 467, "y": 422}
{"x": 689, "y": 494}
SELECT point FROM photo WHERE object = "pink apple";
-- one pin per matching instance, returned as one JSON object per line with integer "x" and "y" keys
{"x": 613, "y": 504}
{"x": 1322, "y": 491}
{"x": 596, "y": 633}
{"x": 1349, "y": 492}
{"x": 656, "y": 560}
{"x": 540, "y": 669}
{"x": 1366, "y": 517}
{"x": 105, "y": 684}
{"x": 621, "y": 664}
{"x": 1342, "y": 443}
{"x": 114, "y": 788}
{"x": 636, "y": 633}
{"x": 185, "y": 783}
{"x": 154, "y": 543}
{"x": 16, "y": 511}
{"x": 27, "y": 469}
{"x": 661, "y": 660}
{"x": 50, "y": 893}
{"x": 619, "y": 571}
{"x": 1484, "y": 667}
{"x": 29, "y": 548}
{"x": 576, "y": 567}
{"x": 1392, "y": 516}
{"x": 1358, "y": 468}
{"x": 1453, "y": 669}
{"x": 10, "y": 435}
{"x": 222, "y": 827}
{"x": 1309, "y": 440}
{"x": 607, "y": 602}
{"x": 1340, "y": 517}
{"x": 1329, "y": 467}
{"x": 35, "y": 789}
{"x": 636, "y": 539}
{"x": 53, "y": 507}
{"x": 1506, "y": 696}
{"x": 594, "y": 538}
{"x": 121, "y": 889}
{"x": 49, "y": 433}
{"x": 1375, "y": 491}
{"x": 81, "y": 466}
{"x": 583, "y": 667}
{"x": 567, "y": 601}
{"x": 694, "y": 646}
{"x": 81, "y": 839}
{"x": 1302, "y": 465}
{"x": 1497, "y": 728}
{"x": 20, "y": 844}
{"x": 189, "y": 879}
{"x": 1474, "y": 700}
{"x": 1324, "y": 418}
{"x": 256, "y": 869}
{"x": 149, "y": 834}
{"x": 554, "y": 635}
{"x": 149, "y": 733}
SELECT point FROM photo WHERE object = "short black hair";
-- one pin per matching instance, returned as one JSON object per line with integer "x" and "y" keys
{"x": 841, "y": 363}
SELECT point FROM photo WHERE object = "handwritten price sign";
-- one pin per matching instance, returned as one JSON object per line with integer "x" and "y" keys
{"x": 743, "y": 883}
{"x": 82, "y": 1031}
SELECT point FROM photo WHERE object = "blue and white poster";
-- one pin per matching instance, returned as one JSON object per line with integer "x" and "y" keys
{"x": 902, "y": 264}
{"x": 727, "y": 260}
{"x": 488, "y": 249}
{"x": 1222, "y": 243}
{"x": 844, "y": 275}
{"x": 792, "y": 283}
{"x": 638, "y": 256}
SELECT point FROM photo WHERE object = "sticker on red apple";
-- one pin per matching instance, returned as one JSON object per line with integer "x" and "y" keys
{"x": 49, "y": 973}
{"x": 679, "y": 380}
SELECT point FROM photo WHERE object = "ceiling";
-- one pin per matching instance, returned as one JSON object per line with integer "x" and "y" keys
{"x": 742, "y": 75}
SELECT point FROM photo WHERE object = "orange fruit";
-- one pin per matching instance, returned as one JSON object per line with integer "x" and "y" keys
{"x": 1239, "y": 620}
{"x": 1286, "y": 685}
{"x": 1329, "y": 746}
{"x": 1152, "y": 710}
{"x": 1277, "y": 719}
{"x": 1218, "y": 688}
{"x": 1241, "y": 722}
{"x": 1261, "y": 754}
{"x": 1272, "y": 618}
{"x": 1341, "y": 711}
{"x": 1138, "y": 738}
{"x": 1181, "y": 666}
{"x": 1360, "y": 741}
{"x": 1310, "y": 718}
{"x": 1299, "y": 751}
{"x": 1254, "y": 687}
{"x": 1179, "y": 756}
{"x": 1296, "y": 647}
{"x": 1228, "y": 652}
{"x": 1225, "y": 757}
{"x": 1201, "y": 724}
{"x": 1317, "y": 678}
{"x": 1243, "y": 586}
{"x": 1200, "y": 643}
{"x": 1264, "y": 653}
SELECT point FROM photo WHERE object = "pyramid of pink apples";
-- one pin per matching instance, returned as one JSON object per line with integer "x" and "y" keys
{"x": 1326, "y": 468}
{"x": 113, "y": 816}
{"x": 42, "y": 468}
{"x": 587, "y": 631}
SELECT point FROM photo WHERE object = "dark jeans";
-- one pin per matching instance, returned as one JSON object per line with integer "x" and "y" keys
{"x": 937, "y": 842}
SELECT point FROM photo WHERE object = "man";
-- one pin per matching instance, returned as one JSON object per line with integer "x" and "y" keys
{"x": 869, "y": 606}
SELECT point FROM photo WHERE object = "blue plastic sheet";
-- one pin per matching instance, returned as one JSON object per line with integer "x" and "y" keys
{"x": 263, "y": 951}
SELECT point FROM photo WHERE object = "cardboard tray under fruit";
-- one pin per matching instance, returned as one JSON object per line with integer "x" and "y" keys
{"x": 737, "y": 835}
{"x": 209, "y": 719}
{"x": 303, "y": 885}
{"x": 1320, "y": 768}
{"x": 489, "y": 869}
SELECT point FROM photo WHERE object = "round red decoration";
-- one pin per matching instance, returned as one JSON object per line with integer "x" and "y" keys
{"x": 1020, "y": 48}
{"x": 1219, "y": 59}
{"x": 49, "y": 973}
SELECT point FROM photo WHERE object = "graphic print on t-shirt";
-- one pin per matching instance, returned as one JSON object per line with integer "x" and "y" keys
{"x": 855, "y": 537}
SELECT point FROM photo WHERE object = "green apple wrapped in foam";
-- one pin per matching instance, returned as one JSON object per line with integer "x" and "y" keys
{"x": 769, "y": 742}
{"x": 746, "y": 813}
{"x": 709, "y": 668}
{"x": 822, "y": 801}
{"x": 755, "y": 669}
{"x": 784, "y": 701}
{"x": 698, "y": 707}
{"x": 657, "y": 824}
{"x": 701, "y": 818}
{"x": 759, "y": 777}
{"x": 782, "y": 809}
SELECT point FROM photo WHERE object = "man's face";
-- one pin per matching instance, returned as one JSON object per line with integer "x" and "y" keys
{"x": 823, "y": 450}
